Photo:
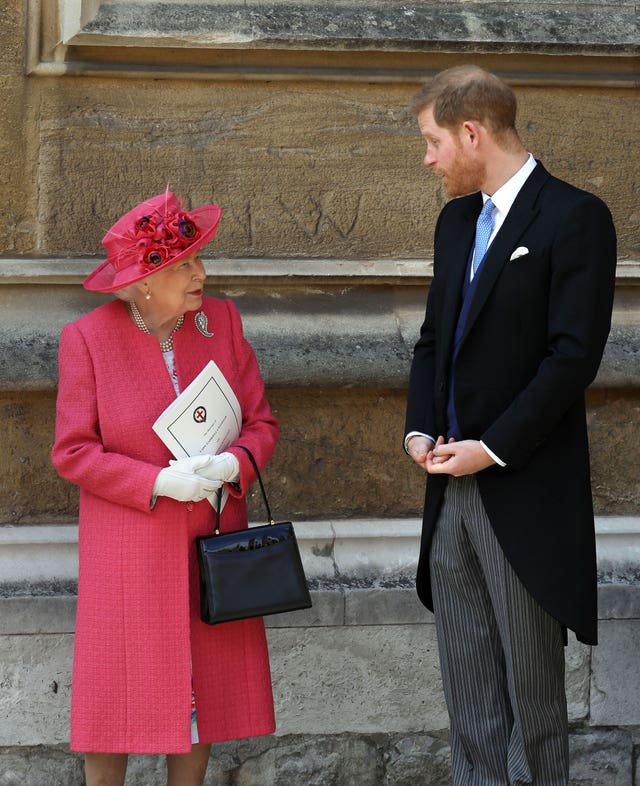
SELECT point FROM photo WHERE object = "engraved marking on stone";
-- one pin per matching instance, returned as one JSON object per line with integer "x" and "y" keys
{"x": 320, "y": 215}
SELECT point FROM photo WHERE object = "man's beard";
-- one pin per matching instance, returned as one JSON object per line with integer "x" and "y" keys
{"x": 464, "y": 177}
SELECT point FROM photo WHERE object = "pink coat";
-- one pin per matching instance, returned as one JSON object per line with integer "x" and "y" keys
{"x": 139, "y": 637}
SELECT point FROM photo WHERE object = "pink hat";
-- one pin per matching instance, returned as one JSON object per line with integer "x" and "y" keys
{"x": 150, "y": 237}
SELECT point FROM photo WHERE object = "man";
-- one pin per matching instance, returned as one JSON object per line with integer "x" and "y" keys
{"x": 496, "y": 416}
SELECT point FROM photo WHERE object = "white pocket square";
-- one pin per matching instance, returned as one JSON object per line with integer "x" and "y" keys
{"x": 519, "y": 252}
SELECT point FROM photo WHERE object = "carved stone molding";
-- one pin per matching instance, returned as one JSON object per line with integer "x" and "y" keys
{"x": 333, "y": 323}
{"x": 373, "y": 41}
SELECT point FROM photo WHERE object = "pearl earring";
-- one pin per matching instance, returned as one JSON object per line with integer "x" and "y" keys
{"x": 147, "y": 295}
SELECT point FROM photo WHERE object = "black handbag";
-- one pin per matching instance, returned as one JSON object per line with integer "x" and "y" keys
{"x": 250, "y": 572}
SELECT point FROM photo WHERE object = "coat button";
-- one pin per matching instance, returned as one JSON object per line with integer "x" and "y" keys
{"x": 189, "y": 506}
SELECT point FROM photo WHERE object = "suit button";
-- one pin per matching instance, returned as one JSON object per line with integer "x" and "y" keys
{"x": 189, "y": 506}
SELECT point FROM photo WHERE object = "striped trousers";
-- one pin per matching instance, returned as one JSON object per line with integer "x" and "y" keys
{"x": 501, "y": 655}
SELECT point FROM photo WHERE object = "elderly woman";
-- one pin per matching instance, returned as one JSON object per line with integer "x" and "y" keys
{"x": 148, "y": 675}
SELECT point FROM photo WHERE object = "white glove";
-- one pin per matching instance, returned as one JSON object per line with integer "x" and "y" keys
{"x": 180, "y": 481}
{"x": 223, "y": 467}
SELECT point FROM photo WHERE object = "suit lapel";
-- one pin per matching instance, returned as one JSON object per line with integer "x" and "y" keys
{"x": 522, "y": 213}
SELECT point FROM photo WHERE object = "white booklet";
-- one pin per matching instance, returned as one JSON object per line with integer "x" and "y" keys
{"x": 205, "y": 418}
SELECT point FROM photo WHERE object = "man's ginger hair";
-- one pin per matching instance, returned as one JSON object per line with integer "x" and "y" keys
{"x": 469, "y": 93}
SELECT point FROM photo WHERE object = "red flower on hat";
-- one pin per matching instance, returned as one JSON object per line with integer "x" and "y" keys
{"x": 145, "y": 225}
{"x": 158, "y": 238}
{"x": 183, "y": 227}
{"x": 155, "y": 255}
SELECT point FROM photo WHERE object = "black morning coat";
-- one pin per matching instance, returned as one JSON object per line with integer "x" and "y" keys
{"x": 532, "y": 343}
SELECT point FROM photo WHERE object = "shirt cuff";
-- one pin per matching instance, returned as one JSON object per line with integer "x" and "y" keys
{"x": 415, "y": 434}
{"x": 493, "y": 455}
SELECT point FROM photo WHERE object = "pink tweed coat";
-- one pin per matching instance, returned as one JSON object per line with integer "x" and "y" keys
{"x": 139, "y": 638}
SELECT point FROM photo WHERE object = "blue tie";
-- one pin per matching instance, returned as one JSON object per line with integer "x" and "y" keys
{"x": 484, "y": 226}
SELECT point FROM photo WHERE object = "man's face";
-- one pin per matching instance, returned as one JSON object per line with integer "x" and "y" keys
{"x": 451, "y": 156}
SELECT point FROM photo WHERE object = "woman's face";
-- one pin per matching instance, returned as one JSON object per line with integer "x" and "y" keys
{"x": 176, "y": 289}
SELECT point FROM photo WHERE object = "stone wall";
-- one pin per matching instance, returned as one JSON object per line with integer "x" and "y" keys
{"x": 293, "y": 117}
{"x": 356, "y": 678}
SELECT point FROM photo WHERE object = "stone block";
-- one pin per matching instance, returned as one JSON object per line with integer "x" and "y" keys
{"x": 35, "y": 688}
{"x": 615, "y": 678}
{"x": 415, "y": 760}
{"x": 40, "y": 766}
{"x": 315, "y": 762}
{"x": 307, "y": 477}
{"x": 392, "y": 563}
{"x": 327, "y": 611}
{"x": 601, "y": 758}
{"x": 613, "y": 419}
{"x": 577, "y": 679}
{"x": 357, "y": 680}
{"x": 619, "y": 601}
{"x": 27, "y": 555}
{"x": 391, "y": 605}
{"x": 29, "y": 615}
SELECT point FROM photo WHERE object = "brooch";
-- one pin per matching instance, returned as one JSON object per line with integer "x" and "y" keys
{"x": 202, "y": 323}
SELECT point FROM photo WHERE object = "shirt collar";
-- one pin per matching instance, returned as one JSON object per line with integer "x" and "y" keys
{"x": 506, "y": 195}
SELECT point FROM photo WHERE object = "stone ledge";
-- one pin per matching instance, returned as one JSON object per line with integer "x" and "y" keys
{"x": 454, "y": 26}
{"x": 367, "y": 351}
{"x": 358, "y": 553}
{"x": 262, "y": 271}
{"x": 312, "y": 323}
{"x": 361, "y": 573}
{"x": 560, "y": 43}
{"x": 25, "y": 614}
{"x": 353, "y": 553}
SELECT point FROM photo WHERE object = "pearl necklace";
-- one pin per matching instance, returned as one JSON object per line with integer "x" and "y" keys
{"x": 165, "y": 346}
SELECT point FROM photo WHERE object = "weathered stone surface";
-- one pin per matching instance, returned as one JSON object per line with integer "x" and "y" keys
{"x": 369, "y": 606}
{"x": 292, "y": 169}
{"x": 577, "y": 679}
{"x": 381, "y": 24}
{"x": 40, "y": 766}
{"x": 342, "y": 678}
{"x": 615, "y": 679}
{"x": 29, "y": 615}
{"x": 318, "y": 335}
{"x": 598, "y": 758}
{"x": 319, "y": 432}
{"x": 613, "y": 419}
{"x": 415, "y": 760}
{"x": 35, "y": 686}
{"x": 28, "y": 482}
{"x": 621, "y": 361}
{"x": 319, "y": 429}
{"x": 619, "y": 601}
{"x": 315, "y": 761}
{"x": 601, "y": 758}
{"x": 375, "y": 678}
{"x": 12, "y": 39}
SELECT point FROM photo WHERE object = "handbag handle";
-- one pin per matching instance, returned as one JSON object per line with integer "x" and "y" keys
{"x": 264, "y": 493}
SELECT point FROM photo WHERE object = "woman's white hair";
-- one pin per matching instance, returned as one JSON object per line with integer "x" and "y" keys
{"x": 126, "y": 293}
